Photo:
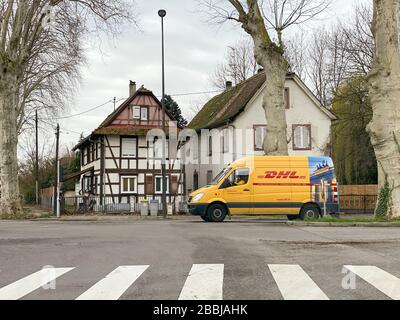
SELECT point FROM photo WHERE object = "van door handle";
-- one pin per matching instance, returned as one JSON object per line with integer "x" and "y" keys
{"x": 246, "y": 190}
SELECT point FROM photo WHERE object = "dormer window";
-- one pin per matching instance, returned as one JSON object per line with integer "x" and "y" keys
{"x": 144, "y": 114}
{"x": 140, "y": 113}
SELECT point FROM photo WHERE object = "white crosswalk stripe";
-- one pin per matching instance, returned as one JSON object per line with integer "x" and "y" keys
{"x": 23, "y": 287}
{"x": 295, "y": 284}
{"x": 204, "y": 282}
{"x": 380, "y": 279}
{"x": 113, "y": 286}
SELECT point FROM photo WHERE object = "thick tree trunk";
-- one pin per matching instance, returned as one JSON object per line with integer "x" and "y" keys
{"x": 10, "y": 201}
{"x": 384, "y": 79}
{"x": 275, "y": 142}
{"x": 270, "y": 57}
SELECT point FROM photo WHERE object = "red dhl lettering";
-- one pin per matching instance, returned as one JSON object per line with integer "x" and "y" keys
{"x": 281, "y": 175}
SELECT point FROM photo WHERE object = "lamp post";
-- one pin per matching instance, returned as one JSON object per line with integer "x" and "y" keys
{"x": 162, "y": 13}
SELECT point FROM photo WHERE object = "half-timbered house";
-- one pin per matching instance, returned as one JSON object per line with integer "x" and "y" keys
{"x": 120, "y": 165}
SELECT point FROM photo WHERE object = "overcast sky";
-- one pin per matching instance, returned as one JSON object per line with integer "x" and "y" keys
{"x": 193, "y": 49}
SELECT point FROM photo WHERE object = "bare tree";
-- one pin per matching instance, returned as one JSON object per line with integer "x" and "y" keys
{"x": 41, "y": 50}
{"x": 296, "y": 54}
{"x": 239, "y": 65}
{"x": 255, "y": 17}
{"x": 384, "y": 80}
{"x": 343, "y": 52}
{"x": 359, "y": 39}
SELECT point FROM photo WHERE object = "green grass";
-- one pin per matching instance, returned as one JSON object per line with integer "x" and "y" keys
{"x": 27, "y": 214}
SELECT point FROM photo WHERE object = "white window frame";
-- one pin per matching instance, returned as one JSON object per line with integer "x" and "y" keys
{"x": 136, "y": 112}
{"x": 263, "y": 135}
{"x": 155, "y": 184}
{"x": 128, "y": 154}
{"x": 157, "y": 147}
{"x": 129, "y": 184}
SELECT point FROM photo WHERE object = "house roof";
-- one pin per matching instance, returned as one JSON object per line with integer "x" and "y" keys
{"x": 224, "y": 107}
{"x": 106, "y": 128}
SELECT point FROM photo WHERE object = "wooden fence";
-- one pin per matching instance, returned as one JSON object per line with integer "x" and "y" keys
{"x": 358, "y": 198}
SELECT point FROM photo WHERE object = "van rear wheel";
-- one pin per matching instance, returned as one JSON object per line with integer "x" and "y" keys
{"x": 216, "y": 213}
{"x": 309, "y": 211}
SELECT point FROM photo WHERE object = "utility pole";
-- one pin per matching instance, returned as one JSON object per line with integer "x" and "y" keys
{"x": 37, "y": 160}
{"x": 57, "y": 175}
{"x": 162, "y": 13}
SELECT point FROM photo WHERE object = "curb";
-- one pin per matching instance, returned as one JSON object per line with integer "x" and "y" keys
{"x": 342, "y": 224}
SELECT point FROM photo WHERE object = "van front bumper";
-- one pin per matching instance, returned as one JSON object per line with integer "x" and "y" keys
{"x": 198, "y": 209}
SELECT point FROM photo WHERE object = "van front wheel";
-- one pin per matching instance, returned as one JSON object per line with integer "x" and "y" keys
{"x": 216, "y": 213}
{"x": 309, "y": 211}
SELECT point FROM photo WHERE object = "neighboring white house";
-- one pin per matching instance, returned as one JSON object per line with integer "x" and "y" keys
{"x": 236, "y": 121}
{"x": 119, "y": 165}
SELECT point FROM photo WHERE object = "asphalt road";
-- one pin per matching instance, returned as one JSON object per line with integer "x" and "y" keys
{"x": 191, "y": 259}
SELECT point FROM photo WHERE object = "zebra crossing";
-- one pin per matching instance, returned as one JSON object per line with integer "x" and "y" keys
{"x": 203, "y": 282}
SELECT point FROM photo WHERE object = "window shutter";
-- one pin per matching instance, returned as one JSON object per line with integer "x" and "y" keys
{"x": 259, "y": 135}
{"x": 149, "y": 185}
{"x": 287, "y": 98}
{"x": 302, "y": 137}
{"x": 136, "y": 112}
{"x": 297, "y": 137}
{"x": 174, "y": 184}
{"x": 128, "y": 147}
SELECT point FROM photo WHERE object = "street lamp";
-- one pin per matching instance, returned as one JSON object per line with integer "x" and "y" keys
{"x": 162, "y": 13}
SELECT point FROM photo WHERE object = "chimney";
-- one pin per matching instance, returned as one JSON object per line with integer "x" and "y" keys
{"x": 228, "y": 85}
{"x": 260, "y": 70}
{"x": 132, "y": 88}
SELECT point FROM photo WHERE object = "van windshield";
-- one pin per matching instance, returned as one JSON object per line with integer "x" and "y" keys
{"x": 220, "y": 176}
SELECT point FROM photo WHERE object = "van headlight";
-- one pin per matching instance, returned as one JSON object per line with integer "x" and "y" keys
{"x": 197, "y": 197}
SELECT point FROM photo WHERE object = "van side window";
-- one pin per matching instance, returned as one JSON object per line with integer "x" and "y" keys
{"x": 239, "y": 177}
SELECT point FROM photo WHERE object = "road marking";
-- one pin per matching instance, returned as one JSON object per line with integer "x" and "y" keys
{"x": 204, "y": 282}
{"x": 380, "y": 279}
{"x": 24, "y": 286}
{"x": 113, "y": 286}
{"x": 295, "y": 284}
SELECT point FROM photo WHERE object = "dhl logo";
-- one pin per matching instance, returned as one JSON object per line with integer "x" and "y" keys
{"x": 281, "y": 175}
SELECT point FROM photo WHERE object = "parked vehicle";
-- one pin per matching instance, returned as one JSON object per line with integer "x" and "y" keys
{"x": 298, "y": 187}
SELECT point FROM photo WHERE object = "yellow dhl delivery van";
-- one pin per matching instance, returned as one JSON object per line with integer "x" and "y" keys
{"x": 298, "y": 187}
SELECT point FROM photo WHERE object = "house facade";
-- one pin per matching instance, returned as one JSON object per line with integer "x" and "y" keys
{"x": 236, "y": 126}
{"x": 121, "y": 165}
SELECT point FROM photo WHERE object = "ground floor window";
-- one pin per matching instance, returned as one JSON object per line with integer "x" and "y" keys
{"x": 209, "y": 177}
{"x": 260, "y": 131}
{"x": 129, "y": 184}
{"x": 158, "y": 184}
{"x": 87, "y": 184}
{"x": 301, "y": 137}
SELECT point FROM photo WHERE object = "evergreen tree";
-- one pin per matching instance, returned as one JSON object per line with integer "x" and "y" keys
{"x": 353, "y": 154}
{"x": 173, "y": 108}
